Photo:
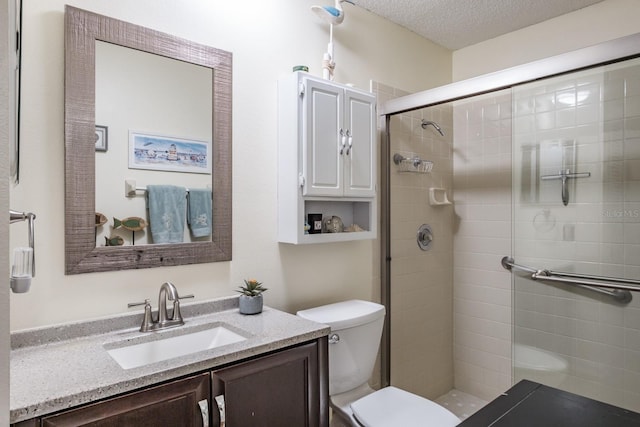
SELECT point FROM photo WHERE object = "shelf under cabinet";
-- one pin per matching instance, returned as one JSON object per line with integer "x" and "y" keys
{"x": 360, "y": 212}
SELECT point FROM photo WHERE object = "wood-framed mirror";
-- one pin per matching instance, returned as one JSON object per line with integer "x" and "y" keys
{"x": 82, "y": 255}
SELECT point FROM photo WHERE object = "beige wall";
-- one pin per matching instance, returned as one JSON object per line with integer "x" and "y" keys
{"x": 421, "y": 289}
{"x": 5, "y": 108}
{"x": 603, "y": 21}
{"x": 267, "y": 39}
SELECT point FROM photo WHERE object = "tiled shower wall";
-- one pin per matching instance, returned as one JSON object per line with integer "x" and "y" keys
{"x": 482, "y": 236}
{"x": 591, "y": 120}
{"x": 598, "y": 232}
{"x": 596, "y": 118}
{"x": 421, "y": 281}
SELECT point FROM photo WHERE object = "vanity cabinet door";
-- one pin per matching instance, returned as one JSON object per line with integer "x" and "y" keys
{"x": 174, "y": 404}
{"x": 287, "y": 388}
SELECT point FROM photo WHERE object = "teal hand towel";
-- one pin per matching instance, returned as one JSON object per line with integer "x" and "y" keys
{"x": 167, "y": 207}
{"x": 199, "y": 212}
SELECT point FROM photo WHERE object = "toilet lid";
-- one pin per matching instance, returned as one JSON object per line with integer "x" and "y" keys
{"x": 391, "y": 406}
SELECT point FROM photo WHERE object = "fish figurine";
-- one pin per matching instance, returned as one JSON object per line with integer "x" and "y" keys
{"x": 100, "y": 219}
{"x": 133, "y": 223}
{"x": 114, "y": 241}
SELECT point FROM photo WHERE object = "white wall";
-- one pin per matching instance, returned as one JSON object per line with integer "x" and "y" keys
{"x": 267, "y": 39}
{"x": 600, "y": 22}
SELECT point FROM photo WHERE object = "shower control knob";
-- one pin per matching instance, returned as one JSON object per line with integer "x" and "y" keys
{"x": 425, "y": 237}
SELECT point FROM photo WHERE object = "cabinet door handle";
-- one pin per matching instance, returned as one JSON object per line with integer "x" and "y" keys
{"x": 220, "y": 402}
{"x": 350, "y": 141}
{"x": 204, "y": 411}
{"x": 343, "y": 141}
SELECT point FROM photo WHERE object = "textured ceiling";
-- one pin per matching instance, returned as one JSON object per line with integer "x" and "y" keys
{"x": 458, "y": 23}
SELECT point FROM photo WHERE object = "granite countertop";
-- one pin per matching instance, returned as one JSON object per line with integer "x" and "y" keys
{"x": 63, "y": 366}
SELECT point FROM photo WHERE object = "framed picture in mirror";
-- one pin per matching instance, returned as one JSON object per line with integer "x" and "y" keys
{"x": 164, "y": 153}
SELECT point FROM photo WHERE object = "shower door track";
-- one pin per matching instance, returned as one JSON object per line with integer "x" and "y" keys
{"x": 608, "y": 52}
{"x": 617, "y": 288}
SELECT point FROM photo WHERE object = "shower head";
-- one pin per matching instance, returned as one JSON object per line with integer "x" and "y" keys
{"x": 426, "y": 123}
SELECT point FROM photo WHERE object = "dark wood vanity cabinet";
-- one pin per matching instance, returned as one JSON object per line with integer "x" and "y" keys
{"x": 172, "y": 404}
{"x": 288, "y": 387}
{"x": 282, "y": 389}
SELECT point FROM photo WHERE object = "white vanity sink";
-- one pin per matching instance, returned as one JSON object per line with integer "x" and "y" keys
{"x": 135, "y": 355}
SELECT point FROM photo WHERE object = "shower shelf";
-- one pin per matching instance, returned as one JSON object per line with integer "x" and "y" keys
{"x": 412, "y": 164}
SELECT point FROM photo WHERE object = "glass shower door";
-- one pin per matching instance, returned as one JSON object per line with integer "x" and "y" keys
{"x": 576, "y": 209}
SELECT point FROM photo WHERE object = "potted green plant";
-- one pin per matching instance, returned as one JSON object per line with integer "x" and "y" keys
{"x": 251, "y": 297}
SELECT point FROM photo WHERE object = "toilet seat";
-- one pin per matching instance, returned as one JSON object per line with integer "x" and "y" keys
{"x": 392, "y": 406}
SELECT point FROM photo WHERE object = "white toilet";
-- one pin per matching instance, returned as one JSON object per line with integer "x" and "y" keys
{"x": 542, "y": 366}
{"x": 356, "y": 329}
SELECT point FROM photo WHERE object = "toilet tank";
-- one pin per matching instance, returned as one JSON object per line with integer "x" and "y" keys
{"x": 358, "y": 326}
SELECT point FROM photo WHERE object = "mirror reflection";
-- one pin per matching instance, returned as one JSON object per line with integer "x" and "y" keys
{"x": 164, "y": 106}
{"x": 167, "y": 124}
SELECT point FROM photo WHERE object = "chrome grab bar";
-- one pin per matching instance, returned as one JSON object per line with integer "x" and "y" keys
{"x": 617, "y": 288}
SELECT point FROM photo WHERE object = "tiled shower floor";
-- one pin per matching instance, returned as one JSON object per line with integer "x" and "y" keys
{"x": 461, "y": 404}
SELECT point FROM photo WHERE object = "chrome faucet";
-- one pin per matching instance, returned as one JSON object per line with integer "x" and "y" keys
{"x": 167, "y": 291}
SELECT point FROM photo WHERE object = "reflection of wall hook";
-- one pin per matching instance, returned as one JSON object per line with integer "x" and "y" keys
{"x": 22, "y": 281}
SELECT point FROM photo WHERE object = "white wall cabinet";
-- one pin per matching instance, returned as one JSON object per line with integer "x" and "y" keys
{"x": 337, "y": 140}
{"x": 327, "y": 158}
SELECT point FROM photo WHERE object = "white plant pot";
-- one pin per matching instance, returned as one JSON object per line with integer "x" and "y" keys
{"x": 250, "y": 305}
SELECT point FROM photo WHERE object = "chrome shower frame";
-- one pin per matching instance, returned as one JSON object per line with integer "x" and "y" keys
{"x": 604, "y": 53}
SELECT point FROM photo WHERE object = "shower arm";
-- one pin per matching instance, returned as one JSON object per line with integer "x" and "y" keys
{"x": 437, "y": 127}
{"x": 617, "y": 288}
